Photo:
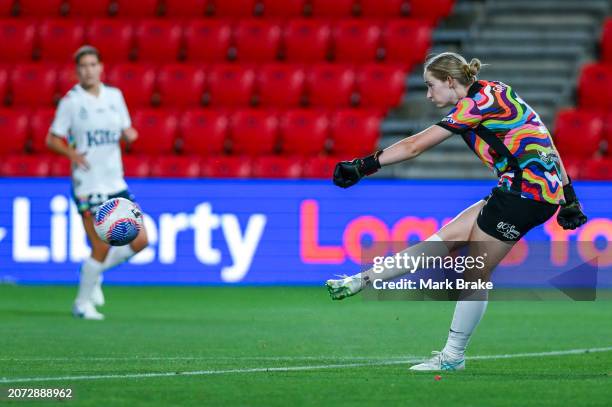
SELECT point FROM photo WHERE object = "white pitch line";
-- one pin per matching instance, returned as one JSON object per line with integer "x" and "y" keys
{"x": 292, "y": 368}
{"x": 211, "y": 358}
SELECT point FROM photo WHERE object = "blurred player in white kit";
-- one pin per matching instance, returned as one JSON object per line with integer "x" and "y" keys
{"x": 90, "y": 121}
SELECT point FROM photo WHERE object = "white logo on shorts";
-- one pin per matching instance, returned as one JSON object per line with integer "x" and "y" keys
{"x": 508, "y": 230}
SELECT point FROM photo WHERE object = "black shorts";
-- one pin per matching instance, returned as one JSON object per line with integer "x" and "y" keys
{"x": 89, "y": 204}
{"x": 508, "y": 217}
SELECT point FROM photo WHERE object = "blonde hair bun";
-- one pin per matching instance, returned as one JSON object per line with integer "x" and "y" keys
{"x": 451, "y": 64}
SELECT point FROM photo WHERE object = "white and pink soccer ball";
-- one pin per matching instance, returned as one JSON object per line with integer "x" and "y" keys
{"x": 118, "y": 221}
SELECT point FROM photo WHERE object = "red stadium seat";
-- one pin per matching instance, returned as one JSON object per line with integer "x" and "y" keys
{"x": 40, "y": 122}
{"x": 226, "y": 167}
{"x": 307, "y": 40}
{"x": 319, "y": 167}
{"x": 4, "y": 80}
{"x": 257, "y": 40}
{"x": 180, "y": 85}
{"x": 33, "y": 84}
{"x": 406, "y": 42}
{"x": 383, "y": 8}
{"x": 607, "y": 132}
{"x": 331, "y": 85}
{"x": 230, "y": 85}
{"x": 207, "y": 40}
{"x": 59, "y": 38}
{"x": 275, "y": 166}
{"x": 280, "y": 85}
{"x": 254, "y": 132}
{"x": 336, "y": 8}
{"x": 304, "y": 132}
{"x": 203, "y": 132}
{"x": 173, "y": 166}
{"x": 283, "y": 8}
{"x": 157, "y": 131}
{"x": 38, "y": 8}
{"x": 60, "y": 166}
{"x": 597, "y": 170}
{"x": 16, "y": 40}
{"x": 6, "y": 8}
{"x": 89, "y": 8}
{"x": 234, "y": 8}
{"x": 67, "y": 78}
{"x": 185, "y": 8}
{"x": 158, "y": 40}
{"x": 430, "y": 10}
{"x": 354, "y": 132}
{"x": 595, "y": 86}
{"x": 381, "y": 86}
{"x": 137, "y": 8}
{"x": 113, "y": 38}
{"x": 356, "y": 41}
{"x": 136, "y": 81}
{"x": 578, "y": 133}
{"x": 573, "y": 167}
{"x": 14, "y": 127}
{"x": 137, "y": 166}
{"x": 25, "y": 166}
{"x": 606, "y": 41}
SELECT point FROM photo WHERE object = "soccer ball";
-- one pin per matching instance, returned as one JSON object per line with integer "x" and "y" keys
{"x": 118, "y": 221}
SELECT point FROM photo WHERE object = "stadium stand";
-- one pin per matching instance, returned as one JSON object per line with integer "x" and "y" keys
{"x": 136, "y": 81}
{"x": 160, "y": 128}
{"x": 282, "y": 8}
{"x": 207, "y": 40}
{"x": 88, "y": 8}
{"x": 331, "y": 85}
{"x": 15, "y": 123}
{"x": 256, "y": 40}
{"x": 253, "y": 132}
{"x": 262, "y": 88}
{"x": 37, "y": 8}
{"x": 197, "y": 122}
{"x": 58, "y": 38}
{"x": 113, "y": 38}
{"x": 33, "y": 84}
{"x": 180, "y": 85}
{"x": 16, "y": 40}
{"x": 304, "y": 132}
{"x": 158, "y": 40}
{"x": 585, "y": 123}
{"x": 39, "y": 126}
{"x": 276, "y": 166}
{"x": 307, "y": 40}
{"x": 582, "y": 134}
{"x": 280, "y": 85}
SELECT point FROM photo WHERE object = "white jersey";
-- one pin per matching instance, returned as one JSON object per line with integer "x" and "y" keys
{"x": 93, "y": 125}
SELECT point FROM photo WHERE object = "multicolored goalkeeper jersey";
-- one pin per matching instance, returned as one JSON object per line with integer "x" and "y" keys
{"x": 510, "y": 138}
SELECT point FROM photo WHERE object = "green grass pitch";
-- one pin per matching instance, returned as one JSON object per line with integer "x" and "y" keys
{"x": 230, "y": 336}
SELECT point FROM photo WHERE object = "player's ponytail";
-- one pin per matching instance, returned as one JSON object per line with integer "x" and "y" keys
{"x": 452, "y": 65}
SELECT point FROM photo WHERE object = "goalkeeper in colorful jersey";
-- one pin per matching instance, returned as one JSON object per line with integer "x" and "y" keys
{"x": 510, "y": 138}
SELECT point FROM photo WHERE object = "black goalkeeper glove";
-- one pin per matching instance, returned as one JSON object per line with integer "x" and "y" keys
{"x": 348, "y": 173}
{"x": 570, "y": 215}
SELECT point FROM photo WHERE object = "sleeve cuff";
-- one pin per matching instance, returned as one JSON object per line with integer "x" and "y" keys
{"x": 451, "y": 128}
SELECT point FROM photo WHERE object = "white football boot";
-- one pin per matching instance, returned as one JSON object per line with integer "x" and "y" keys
{"x": 86, "y": 311}
{"x": 97, "y": 296}
{"x": 346, "y": 287}
{"x": 439, "y": 361}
